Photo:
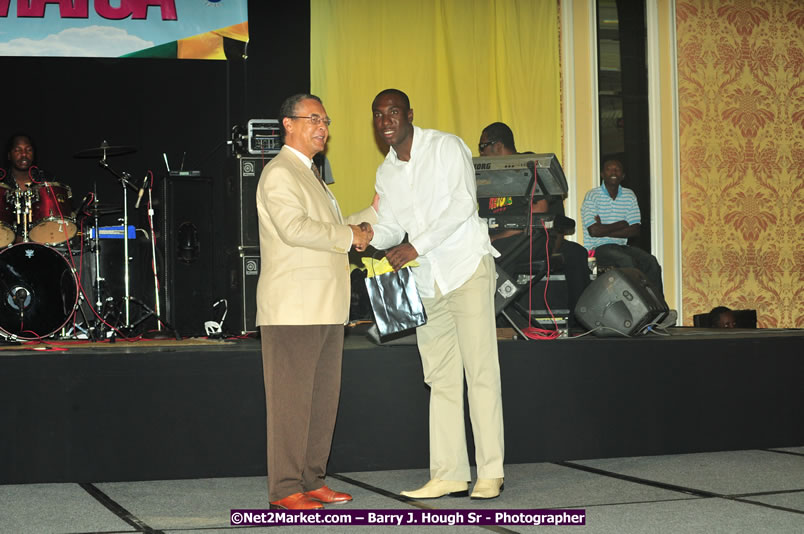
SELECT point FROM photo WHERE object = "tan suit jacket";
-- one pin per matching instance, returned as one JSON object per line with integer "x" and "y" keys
{"x": 304, "y": 242}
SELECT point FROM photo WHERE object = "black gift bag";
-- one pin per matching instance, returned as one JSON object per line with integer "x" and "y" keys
{"x": 395, "y": 301}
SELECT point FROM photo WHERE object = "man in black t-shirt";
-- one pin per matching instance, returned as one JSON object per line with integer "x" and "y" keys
{"x": 497, "y": 139}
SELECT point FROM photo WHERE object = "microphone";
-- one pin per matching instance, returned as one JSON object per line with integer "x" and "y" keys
{"x": 141, "y": 191}
{"x": 20, "y": 294}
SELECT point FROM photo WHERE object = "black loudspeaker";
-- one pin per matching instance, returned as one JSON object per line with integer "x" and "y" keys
{"x": 242, "y": 242}
{"x": 242, "y": 175}
{"x": 244, "y": 271}
{"x": 506, "y": 290}
{"x": 620, "y": 302}
{"x": 186, "y": 214}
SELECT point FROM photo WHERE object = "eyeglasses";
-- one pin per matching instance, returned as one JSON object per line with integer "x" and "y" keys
{"x": 315, "y": 120}
{"x": 482, "y": 146}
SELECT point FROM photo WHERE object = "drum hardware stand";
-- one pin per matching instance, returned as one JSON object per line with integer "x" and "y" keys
{"x": 71, "y": 332}
{"x": 92, "y": 330}
{"x": 22, "y": 205}
{"x": 98, "y": 277}
{"x": 125, "y": 182}
{"x": 93, "y": 324}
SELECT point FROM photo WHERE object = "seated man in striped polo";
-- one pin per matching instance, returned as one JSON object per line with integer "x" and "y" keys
{"x": 610, "y": 216}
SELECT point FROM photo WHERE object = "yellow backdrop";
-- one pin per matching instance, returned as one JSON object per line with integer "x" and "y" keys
{"x": 741, "y": 94}
{"x": 463, "y": 63}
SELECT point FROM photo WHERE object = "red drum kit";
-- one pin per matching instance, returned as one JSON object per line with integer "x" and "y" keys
{"x": 43, "y": 211}
{"x": 39, "y": 289}
{"x": 41, "y": 286}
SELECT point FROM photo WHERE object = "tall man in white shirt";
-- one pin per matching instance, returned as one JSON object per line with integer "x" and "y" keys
{"x": 427, "y": 190}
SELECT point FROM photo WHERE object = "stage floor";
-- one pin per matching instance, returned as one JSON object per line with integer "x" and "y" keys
{"x": 356, "y": 338}
{"x": 156, "y": 410}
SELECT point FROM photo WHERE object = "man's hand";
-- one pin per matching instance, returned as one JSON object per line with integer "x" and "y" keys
{"x": 361, "y": 236}
{"x": 400, "y": 255}
{"x": 367, "y": 227}
{"x": 376, "y": 202}
{"x": 597, "y": 219}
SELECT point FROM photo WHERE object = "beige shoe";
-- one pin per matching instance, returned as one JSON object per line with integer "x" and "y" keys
{"x": 436, "y": 488}
{"x": 488, "y": 488}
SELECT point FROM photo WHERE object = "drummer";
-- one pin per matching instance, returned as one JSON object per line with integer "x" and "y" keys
{"x": 21, "y": 154}
{"x": 21, "y": 175}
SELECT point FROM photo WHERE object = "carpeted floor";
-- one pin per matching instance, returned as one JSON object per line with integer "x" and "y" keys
{"x": 719, "y": 493}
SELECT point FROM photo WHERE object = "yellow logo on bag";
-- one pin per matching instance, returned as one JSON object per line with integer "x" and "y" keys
{"x": 375, "y": 267}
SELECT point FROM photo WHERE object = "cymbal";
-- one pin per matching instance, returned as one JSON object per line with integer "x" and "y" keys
{"x": 105, "y": 150}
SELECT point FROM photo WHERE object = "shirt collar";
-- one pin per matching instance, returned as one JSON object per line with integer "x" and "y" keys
{"x": 304, "y": 159}
{"x": 417, "y": 136}
{"x": 605, "y": 190}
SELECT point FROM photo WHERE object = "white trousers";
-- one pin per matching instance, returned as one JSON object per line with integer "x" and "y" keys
{"x": 460, "y": 337}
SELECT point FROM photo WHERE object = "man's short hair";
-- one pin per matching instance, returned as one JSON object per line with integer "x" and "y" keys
{"x": 611, "y": 160}
{"x": 400, "y": 94}
{"x": 714, "y": 315}
{"x": 288, "y": 108}
{"x": 499, "y": 131}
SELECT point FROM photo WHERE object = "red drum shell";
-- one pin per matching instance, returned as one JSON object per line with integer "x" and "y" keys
{"x": 8, "y": 226}
{"x": 52, "y": 213}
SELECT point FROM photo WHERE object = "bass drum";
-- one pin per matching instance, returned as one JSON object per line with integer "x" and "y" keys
{"x": 38, "y": 291}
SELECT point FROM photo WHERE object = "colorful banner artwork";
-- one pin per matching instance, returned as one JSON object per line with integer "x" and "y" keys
{"x": 187, "y": 29}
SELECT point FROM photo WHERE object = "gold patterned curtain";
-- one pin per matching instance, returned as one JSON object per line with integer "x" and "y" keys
{"x": 463, "y": 63}
{"x": 741, "y": 95}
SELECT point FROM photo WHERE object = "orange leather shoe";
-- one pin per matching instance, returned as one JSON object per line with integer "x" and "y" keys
{"x": 297, "y": 501}
{"x": 328, "y": 496}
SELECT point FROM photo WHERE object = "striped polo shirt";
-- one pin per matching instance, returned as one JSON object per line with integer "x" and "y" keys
{"x": 611, "y": 210}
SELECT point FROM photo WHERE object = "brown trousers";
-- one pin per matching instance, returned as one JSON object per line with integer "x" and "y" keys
{"x": 302, "y": 371}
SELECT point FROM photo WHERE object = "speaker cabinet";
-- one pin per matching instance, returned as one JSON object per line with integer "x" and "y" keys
{"x": 244, "y": 271}
{"x": 620, "y": 302}
{"x": 242, "y": 175}
{"x": 188, "y": 248}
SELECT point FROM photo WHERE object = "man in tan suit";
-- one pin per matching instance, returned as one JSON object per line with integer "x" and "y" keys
{"x": 303, "y": 296}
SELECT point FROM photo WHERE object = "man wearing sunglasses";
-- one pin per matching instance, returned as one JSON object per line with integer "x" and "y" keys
{"x": 497, "y": 139}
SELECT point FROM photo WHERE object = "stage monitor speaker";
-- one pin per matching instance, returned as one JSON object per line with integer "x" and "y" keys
{"x": 187, "y": 244}
{"x": 620, "y": 302}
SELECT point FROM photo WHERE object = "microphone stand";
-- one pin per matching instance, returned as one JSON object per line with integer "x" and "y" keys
{"x": 158, "y": 319}
{"x": 98, "y": 277}
{"x": 158, "y": 313}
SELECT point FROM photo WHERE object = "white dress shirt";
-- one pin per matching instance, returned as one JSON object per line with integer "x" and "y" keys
{"x": 433, "y": 198}
{"x": 309, "y": 164}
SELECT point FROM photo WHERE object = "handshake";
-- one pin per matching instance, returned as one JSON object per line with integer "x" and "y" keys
{"x": 361, "y": 235}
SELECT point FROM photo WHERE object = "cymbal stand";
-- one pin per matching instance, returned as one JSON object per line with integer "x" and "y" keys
{"x": 125, "y": 182}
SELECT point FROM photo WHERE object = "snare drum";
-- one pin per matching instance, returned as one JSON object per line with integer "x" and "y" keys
{"x": 8, "y": 224}
{"x": 52, "y": 213}
{"x": 38, "y": 291}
